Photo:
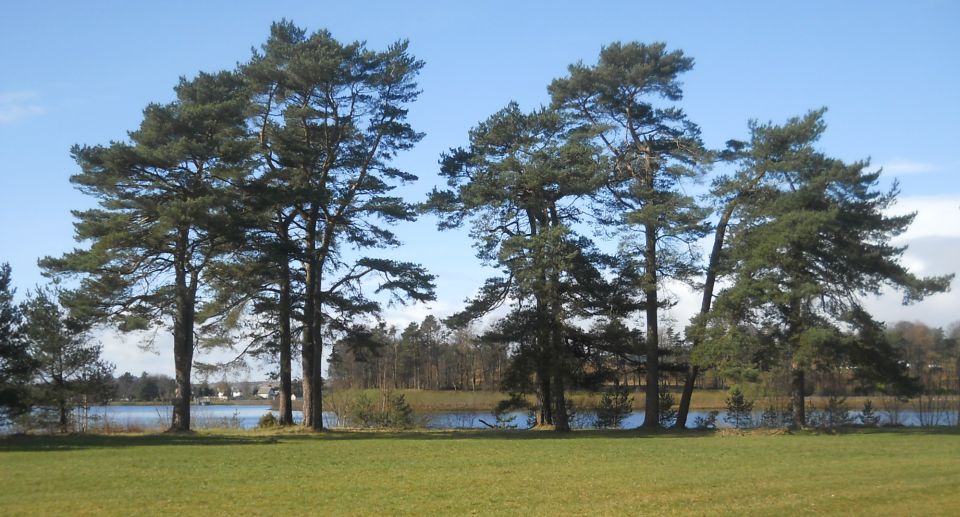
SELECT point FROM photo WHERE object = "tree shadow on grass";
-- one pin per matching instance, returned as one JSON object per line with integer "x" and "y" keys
{"x": 41, "y": 443}
{"x": 490, "y": 434}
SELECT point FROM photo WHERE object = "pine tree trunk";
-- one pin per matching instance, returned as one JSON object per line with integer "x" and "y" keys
{"x": 561, "y": 419}
{"x": 799, "y": 398}
{"x": 63, "y": 415}
{"x": 651, "y": 419}
{"x": 308, "y": 358}
{"x": 317, "y": 402}
{"x": 184, "y": 295}
{"x": 708, "y": 286}
{"x": 544, "y": 400}
{"x": 286, "y": 381}
{"x": 684, "y": 409}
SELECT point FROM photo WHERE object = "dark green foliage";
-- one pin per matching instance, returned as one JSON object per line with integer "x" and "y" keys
{"x": 739, "y": 408}
{"x": 425, "y": 355}
{"x": 501, "y": 412}
{"x": 707, "y": 422}
{"x": 389, "y": 410}
{"x": 615, "y": 405}
{"x": 16, "y": 365}
{"x": 518, "y": 185}
{"x": 330, "y": 119}
{"x": 868, "y": 416}
{"x": 399, "y": 413}
{"x": 776, "y": 417}
{"x": 667, "y": 412}
{"x": 363, "y": 411}
{"x": 268, "y": 421}
{"x": 812, "y": 240}
{"x": 651, "y": 152}
{"x": 167, "y": 209}
{"x": 833, "y": 414}
{"x": 69, "y": 370}
{"x": 148, "y": 390}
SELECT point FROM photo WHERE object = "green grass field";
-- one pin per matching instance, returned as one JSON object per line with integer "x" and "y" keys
{"x": 882, "y": 472}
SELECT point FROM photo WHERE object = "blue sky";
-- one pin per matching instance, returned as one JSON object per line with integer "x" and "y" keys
{"x": 81, "y": 72}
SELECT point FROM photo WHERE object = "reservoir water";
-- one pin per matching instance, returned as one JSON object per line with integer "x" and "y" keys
{"x": 120, "y": 417}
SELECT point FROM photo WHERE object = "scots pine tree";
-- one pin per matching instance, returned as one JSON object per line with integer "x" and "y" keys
{"x": 627, "y": 100}
{"x": 519, "y": 184}
{"x": 812, "y": 242}
{"x": 330, "y": 118}
{"x": 69, "y": 369}
{"x": 167, "y": 206}
{"x": 16, "y": 365}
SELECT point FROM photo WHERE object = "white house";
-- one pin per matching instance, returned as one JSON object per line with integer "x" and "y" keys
{"x": 266, "y": 391}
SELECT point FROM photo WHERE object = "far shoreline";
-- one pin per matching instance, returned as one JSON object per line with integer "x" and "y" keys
{"x": 428, "y": 401}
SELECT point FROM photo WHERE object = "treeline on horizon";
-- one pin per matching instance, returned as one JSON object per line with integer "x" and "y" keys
{"x": 257, "y": 208}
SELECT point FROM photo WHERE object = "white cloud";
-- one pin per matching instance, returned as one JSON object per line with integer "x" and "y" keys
{"x": 900, "y": 167}
{"x": 19, "y": 105}
{"x": 130, "y": 352}
{"x": 937, "y": 216}
{"x": 402, "y": 315}
{"x": 127, "y": 352}
{"x": 924, "y": 256}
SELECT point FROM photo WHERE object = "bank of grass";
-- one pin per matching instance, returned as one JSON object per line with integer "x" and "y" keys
{"x": 425, "y": 401}
{"x": 878, "y": 472}
{"x": 449, "y": 400}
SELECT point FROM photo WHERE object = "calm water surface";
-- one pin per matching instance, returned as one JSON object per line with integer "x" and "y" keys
{"x": 247, "y": 416}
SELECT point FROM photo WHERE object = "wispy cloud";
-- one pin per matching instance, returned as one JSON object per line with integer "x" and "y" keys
{"x": 19, "y": 105}
{"x": 904, "y": 167}
{"x": 937, "y": 216}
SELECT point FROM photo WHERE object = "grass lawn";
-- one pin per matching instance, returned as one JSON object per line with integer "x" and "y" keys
{"x": 886, "y": 472}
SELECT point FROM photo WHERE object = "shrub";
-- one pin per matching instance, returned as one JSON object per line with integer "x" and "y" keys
{"x": 835, "y": 413}
{"x": 614, "y": 407}
{"x": 501, "y": 412}
{"x": 776, "y": 417}
{"x": 668, "y": 414}
{"x": 391, "y": 411}
{"x": 868, "y": 416}
{"x": 398, "y": 414}
{"x": 708, "y": 422}
{"x": 267, "y": 421}
{"x": 363, "y": 411}
{"x": 739, "y": 408}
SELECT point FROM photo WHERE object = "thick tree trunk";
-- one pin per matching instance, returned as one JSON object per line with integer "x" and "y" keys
{"x": 63, "y": 416}
{"x": 184, "y": 298}
{"x": 561, "y": 420}
{"x": 316, "y": 376}
{"x": 799, "y": 398}
{"x": 686, "y": 395}
{"x": 286, "y": 381}
{"x": 544, "y": 400}
{"x": 317, "y": 402}
{"x": 313, "y": 324}
{"x": 183, "y": 362}
{"x": 705, "y": 303}
{"x": 651, "y": 419}
{"x": 308, "y": 358}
